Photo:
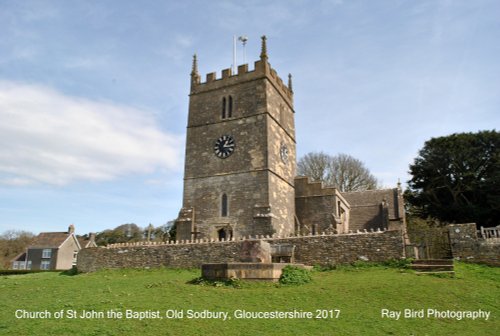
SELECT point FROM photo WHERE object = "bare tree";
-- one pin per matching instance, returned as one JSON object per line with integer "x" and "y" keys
{"x": 315, "y": 165}
{"x": 13, "y": 242}
{"x": 341, "y": 171}
{"x": 350, "y": 174}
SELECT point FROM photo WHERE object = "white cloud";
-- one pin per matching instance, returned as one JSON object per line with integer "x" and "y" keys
{"x": 48, "y": 137}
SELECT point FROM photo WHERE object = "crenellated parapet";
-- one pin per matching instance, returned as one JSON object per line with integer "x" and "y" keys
{"x": 304, "y": 187}
{"x": 262, "y": 69}
{"x": 268, "y": 238}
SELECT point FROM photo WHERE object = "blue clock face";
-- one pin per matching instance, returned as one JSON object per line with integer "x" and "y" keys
{"x": 224, "y": 146}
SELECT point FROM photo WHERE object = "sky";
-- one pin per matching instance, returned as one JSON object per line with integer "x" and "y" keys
{"x": 94, "y": 94}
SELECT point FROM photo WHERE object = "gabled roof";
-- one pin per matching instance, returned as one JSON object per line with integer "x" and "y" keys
{"x": 85, "y": 242}
{"x": 20, "y": 257}
{"x": 366, "y": 217}
{"x": 49, "y": 240}
{"x": 370, "y": 198}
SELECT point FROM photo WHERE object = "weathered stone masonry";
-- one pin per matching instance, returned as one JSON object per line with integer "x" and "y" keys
{"x": 467, "y": 246}
{"x": 311, "y": 250}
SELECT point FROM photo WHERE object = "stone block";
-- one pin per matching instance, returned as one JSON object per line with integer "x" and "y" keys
{"x": 245, "y": 271}
{"x": 258, "y": 251}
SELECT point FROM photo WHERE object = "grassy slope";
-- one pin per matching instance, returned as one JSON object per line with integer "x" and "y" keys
{"x": 360, "y": 294}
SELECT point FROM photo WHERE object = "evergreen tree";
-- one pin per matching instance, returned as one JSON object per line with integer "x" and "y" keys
{"x": 456, "y": 178}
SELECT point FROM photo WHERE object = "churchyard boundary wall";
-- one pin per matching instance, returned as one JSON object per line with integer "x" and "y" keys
{"x": 467, "y": 246}
{"x": 323, "y": 250}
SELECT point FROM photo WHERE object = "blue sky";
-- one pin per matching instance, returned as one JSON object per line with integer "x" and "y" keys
{"x": 94, "y": 94}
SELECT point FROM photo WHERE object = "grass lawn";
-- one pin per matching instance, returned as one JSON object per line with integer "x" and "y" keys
{"x": 359, "y": 294}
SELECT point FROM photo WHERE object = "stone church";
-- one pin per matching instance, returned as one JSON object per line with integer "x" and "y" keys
{"x": 240, "y": 166}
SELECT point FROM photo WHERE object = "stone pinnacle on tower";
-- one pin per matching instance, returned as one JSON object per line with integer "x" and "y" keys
{"x": 195, "y": 77}
{"x": 290, "y": 82}
{"x": 263, "y": 51}
{"x": 194, "y": 70}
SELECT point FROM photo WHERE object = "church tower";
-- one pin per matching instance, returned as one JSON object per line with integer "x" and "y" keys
{"x": 240, "y": 159}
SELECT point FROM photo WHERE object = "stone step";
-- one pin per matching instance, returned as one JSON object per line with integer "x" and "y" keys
{"x": 436, "y": 272}
{"x": 433, "y": 266}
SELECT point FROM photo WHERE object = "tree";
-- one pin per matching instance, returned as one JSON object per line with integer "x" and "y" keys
{"x": 121, "y": 234}
{"x": 456, "y": 178}
{"x": 160, "y": 233}
{"x": 126, "y": 233}
{"x": 12, "y": 243}
{"x": 315, "y": 165}
{"x": 341, "y": 171}
{"x": 171, "y": 230}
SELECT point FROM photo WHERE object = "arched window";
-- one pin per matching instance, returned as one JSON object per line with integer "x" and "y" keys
{"x": 230, "y": 107}
{"x": 224, "y": 108}
{"x": 223, "y": 211}
{"x": 225, "y": 233}
{"x": 221, "y": 234}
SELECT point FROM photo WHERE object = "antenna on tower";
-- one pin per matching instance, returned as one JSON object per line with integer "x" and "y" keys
{"x": 234, "y": 54}
{"x": 243, "y": 39}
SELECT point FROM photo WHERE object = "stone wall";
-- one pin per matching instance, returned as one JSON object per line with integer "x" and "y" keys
{"x": 311, "y": 250}
{"x": 466, "y": 246}
{"x": 319, "y": 208}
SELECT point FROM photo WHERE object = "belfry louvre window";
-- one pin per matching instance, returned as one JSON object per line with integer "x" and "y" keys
{"x": 224, "y": 108}
{"x": 224, "y": 206}
{"x": 230, "y": 107}
{"x": 227, "y": 107}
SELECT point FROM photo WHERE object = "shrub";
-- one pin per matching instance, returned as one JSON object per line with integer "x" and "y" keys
{"x": 295, "y": 276}
{"x": 233, "y": 282}
{"x": 70, "y": 272}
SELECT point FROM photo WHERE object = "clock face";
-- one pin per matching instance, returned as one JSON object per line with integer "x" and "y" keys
{"x": 224, "y": 146}
{"x": 284, "y": 153}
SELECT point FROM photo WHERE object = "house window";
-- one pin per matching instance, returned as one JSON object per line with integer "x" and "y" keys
{"x": 224, "y": 206}
{"x": 22, "y": 265}
{"x": 46, "y": 253}
{"x": 75, "y": 255}
{"x": 45, "y": 265}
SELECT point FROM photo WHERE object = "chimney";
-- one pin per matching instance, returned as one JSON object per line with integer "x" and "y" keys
{"x": 92, "y": 237}
{"x": 71, "y": 229}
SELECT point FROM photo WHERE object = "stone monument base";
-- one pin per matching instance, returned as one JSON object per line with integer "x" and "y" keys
{"x": 245, "y": 270}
